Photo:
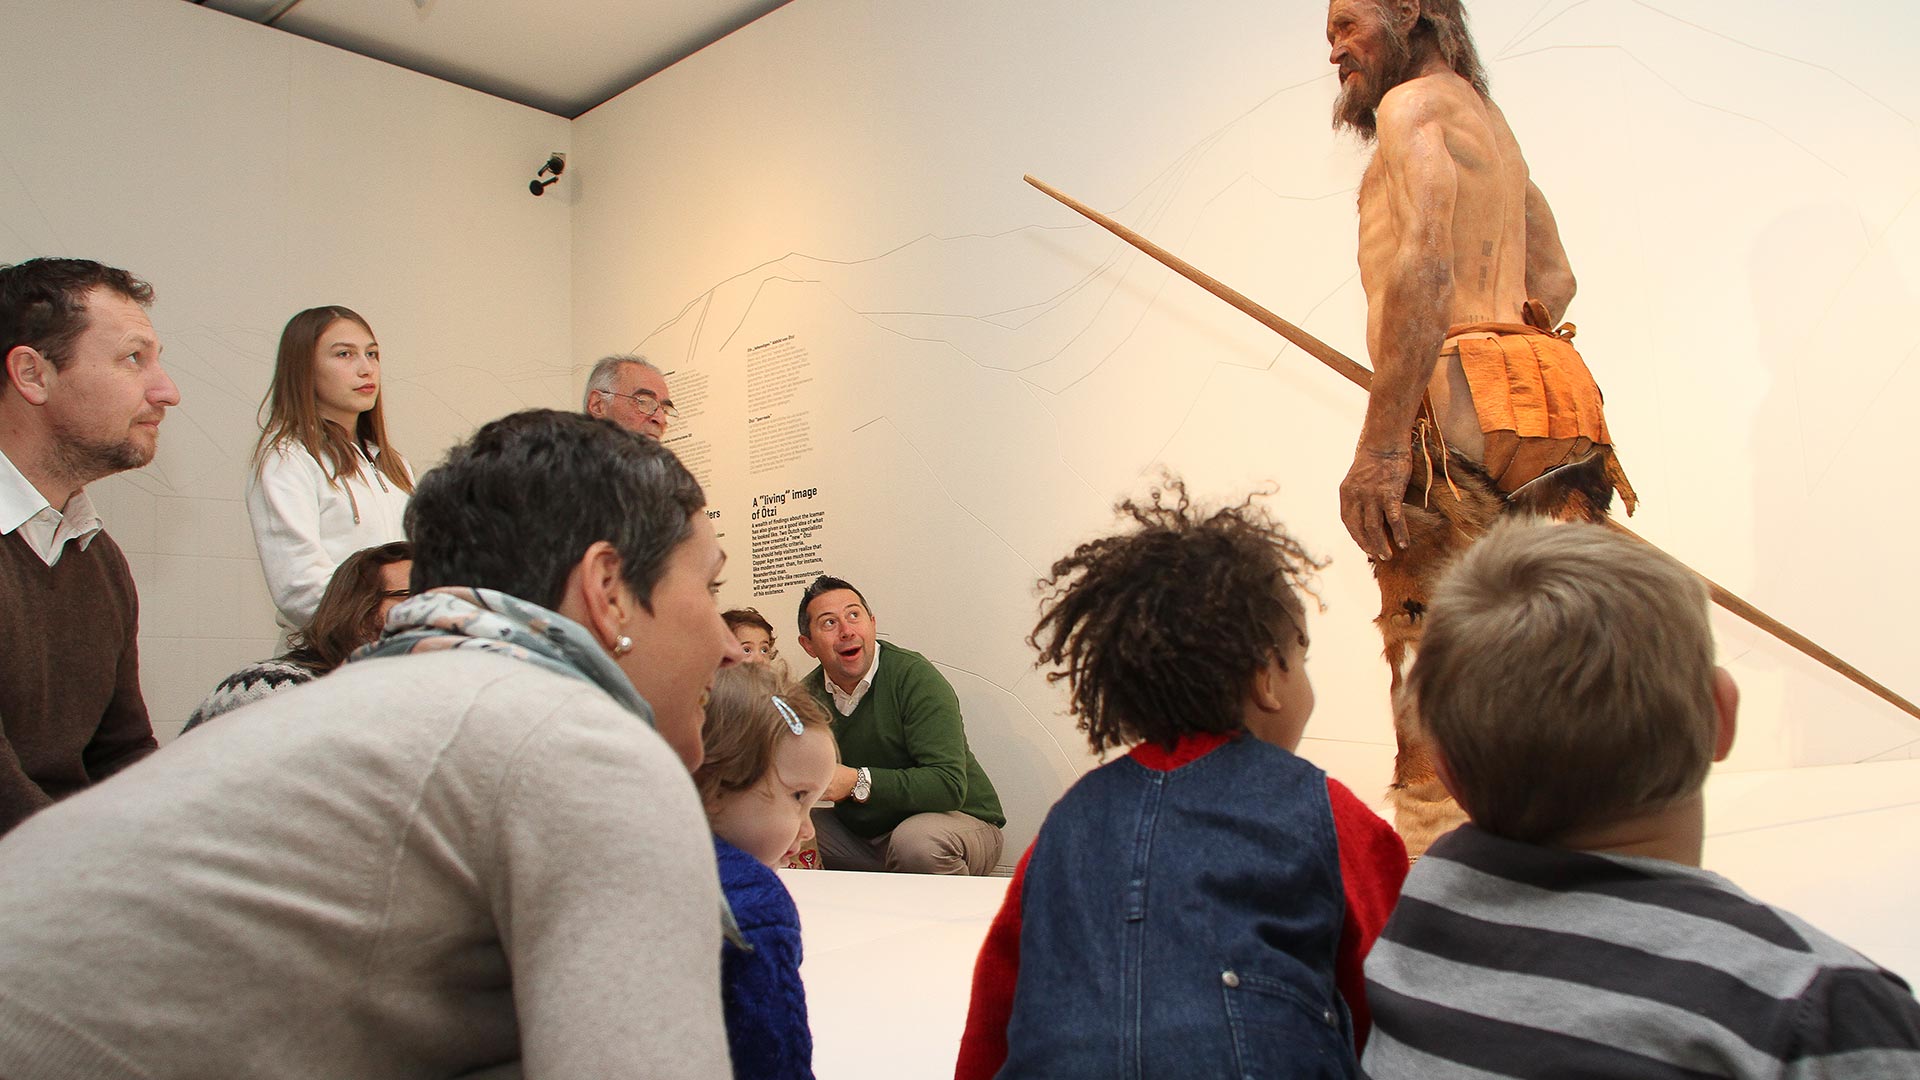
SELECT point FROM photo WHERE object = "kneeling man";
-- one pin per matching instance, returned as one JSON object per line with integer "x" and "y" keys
{"x": 909, "y": 795}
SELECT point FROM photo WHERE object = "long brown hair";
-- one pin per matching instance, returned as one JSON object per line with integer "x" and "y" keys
{"x": 1444, "y": 22}
{"x": 349, "y": 612}
{"x": 293, "y": 408}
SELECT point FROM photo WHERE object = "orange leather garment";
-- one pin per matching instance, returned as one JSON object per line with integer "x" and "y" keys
{"x": 1537, "y": 403}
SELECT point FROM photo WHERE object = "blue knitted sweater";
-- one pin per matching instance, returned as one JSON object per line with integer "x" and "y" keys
{"x": 766, "y": 1006}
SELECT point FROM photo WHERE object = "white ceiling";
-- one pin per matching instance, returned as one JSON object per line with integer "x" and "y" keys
{"x": 561, "y": 56}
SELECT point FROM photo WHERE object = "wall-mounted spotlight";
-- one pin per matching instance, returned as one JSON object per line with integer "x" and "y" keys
{"x": 556, "y": 164}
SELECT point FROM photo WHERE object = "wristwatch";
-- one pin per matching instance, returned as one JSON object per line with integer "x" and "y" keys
{"x": 862, "y": 785}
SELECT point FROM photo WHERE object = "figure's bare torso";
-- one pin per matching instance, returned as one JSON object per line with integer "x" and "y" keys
{"x": 1489, "y": 233}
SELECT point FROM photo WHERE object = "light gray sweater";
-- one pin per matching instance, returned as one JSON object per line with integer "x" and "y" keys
{"x": 423, "y": 866}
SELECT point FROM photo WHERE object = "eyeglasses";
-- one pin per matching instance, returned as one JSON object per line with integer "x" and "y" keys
{"x": 647, "y": 403}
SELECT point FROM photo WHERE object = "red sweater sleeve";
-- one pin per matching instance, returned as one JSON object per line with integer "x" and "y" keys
{"x": 1373, "y": 864}
{"x": 983, "y": 1045}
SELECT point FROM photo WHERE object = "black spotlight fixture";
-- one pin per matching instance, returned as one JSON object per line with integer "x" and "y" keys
{"x": 556, "y": 164}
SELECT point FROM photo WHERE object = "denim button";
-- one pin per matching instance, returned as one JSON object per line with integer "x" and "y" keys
{"x": 1229, "y": 979}
{"x": 1327, "y": 1016}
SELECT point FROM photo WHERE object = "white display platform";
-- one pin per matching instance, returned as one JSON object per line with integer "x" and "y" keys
{"x": 889, "y": 957}
{"x": 889, "y": 967}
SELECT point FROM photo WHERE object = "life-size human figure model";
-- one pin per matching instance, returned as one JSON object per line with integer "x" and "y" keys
{"x": 1465, "y": 279}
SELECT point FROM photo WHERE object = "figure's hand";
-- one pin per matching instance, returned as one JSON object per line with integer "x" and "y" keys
{"x": 1371, "y": 495}
{"x": 841, "y": 785}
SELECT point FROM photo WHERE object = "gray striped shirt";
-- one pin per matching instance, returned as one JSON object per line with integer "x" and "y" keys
{"x": 1513, "y": 960}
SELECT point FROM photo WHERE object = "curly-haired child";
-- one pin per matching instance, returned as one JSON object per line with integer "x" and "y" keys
{"x": 1201, "y": 905}
{"x": 769, "y": 756}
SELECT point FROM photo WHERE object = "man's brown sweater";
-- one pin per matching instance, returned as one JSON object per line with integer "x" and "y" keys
{"x": 71, "y": 713}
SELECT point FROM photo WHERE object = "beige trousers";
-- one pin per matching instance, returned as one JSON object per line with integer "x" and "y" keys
{"x": 944, "y": 843}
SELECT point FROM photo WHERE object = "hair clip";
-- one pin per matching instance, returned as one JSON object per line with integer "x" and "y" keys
{"x": 792, "y": 718}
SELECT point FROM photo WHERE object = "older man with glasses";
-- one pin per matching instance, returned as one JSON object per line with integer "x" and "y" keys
{"x": 631, "y": 392}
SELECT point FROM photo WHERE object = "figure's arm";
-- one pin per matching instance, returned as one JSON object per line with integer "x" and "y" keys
{"x": 936, "y": 740}
{"x": 283, "y": 505}
{"x": 983, "y": 1043}
{"x": 1408, "y": 318}
{"x": 1549, "y": 275}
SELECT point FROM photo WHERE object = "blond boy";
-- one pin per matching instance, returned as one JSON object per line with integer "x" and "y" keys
{"x": 1568, "y": 682}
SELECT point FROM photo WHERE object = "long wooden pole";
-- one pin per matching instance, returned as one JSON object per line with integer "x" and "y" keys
{"x": 1363, "y": 378}
{"x": 1357, "y": 374}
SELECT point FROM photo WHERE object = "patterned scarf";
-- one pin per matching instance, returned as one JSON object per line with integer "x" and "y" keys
{"x": 456, "y": 617}
{"x": 462, "y": 618}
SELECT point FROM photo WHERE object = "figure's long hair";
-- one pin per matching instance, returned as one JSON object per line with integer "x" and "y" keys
{"x": 293, "y": 409}
{"x": 1444, "y": 23}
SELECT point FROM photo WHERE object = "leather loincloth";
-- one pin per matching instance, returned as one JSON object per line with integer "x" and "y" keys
{"x": 1538, "y": 406}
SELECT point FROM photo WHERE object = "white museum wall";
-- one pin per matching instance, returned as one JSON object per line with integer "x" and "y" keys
{"x": 249, "y": 174}
{"x": 984, "y": 374}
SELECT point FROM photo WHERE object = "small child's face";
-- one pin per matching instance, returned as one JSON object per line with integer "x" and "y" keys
{"x": 758, "y": 642}
{"x": 1282, "y": 720}
{"x": 773, "y": 818}
{"x": 1298, "y": 693}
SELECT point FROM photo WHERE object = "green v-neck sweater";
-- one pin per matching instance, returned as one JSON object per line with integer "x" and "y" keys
{"x": 908, "y": 733}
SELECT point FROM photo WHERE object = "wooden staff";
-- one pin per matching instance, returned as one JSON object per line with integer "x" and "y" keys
{"x": 1363, "y": 378}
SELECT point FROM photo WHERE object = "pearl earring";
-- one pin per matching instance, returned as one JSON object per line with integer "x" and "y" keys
{"x": 622, "y": 645}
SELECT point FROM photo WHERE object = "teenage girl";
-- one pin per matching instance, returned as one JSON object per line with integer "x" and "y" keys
{"x": 1200, "y": 905}
{"x": 325, "y": 481}
{"x": 769, "y": 756}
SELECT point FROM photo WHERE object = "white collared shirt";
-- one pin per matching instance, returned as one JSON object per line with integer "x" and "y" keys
{"x": 45, "y": 529}
{"x": 843, "y": 702}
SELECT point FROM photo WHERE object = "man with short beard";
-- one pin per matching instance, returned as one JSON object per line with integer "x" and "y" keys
{"x": 1465, "y": 280}
{"x": 82, "y": 398}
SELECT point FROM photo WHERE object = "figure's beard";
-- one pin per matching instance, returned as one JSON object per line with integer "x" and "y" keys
{"x": 1357, "y": 105}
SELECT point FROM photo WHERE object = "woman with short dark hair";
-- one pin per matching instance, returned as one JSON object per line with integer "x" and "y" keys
{"x": 466, "y": 851}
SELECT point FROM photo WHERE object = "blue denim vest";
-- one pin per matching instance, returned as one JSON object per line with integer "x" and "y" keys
{"x": 1184, "y": 924}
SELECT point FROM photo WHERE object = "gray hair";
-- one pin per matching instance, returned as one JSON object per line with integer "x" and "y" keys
{"x": 607, "y": 368}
